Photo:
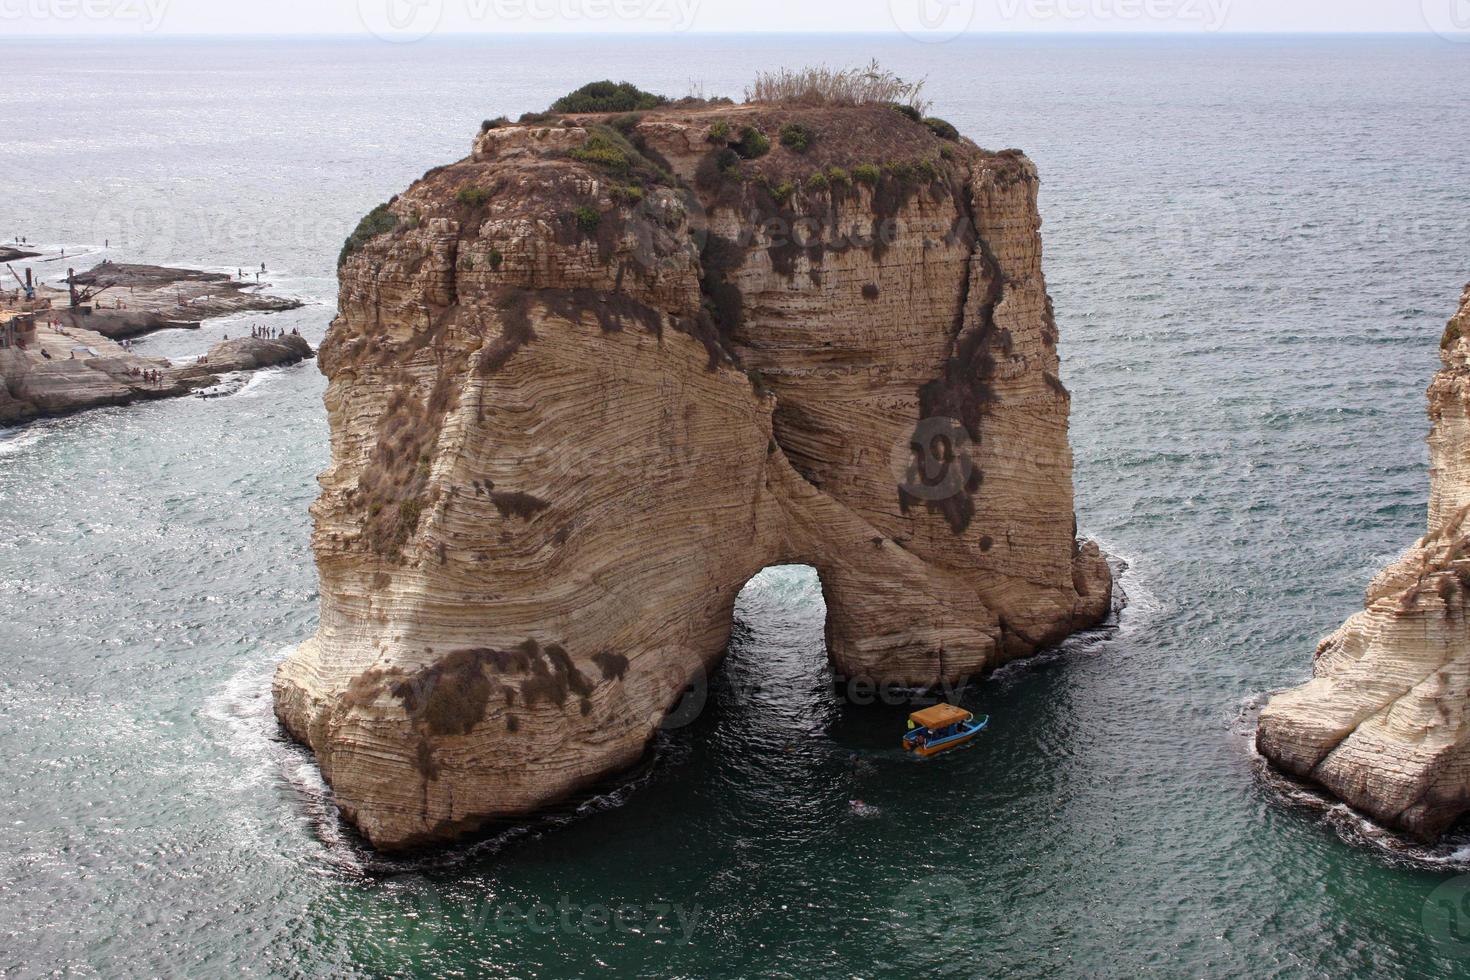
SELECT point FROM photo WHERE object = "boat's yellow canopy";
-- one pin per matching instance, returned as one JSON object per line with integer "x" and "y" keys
{"x": 939, "y": 716}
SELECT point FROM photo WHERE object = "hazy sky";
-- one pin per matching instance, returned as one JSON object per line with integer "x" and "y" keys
{"x": 404, "y": 19}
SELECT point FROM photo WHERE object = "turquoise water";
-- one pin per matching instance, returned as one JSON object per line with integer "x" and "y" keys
{"x": 1253, "y": 245}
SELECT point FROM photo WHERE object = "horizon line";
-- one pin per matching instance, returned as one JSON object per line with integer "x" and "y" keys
{"x": 1003, "y": 32}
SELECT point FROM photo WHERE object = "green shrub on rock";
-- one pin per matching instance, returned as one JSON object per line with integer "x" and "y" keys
{"x": 942, "y": 129}
{"x": 587, "y": 218}
{"x": 608, "y": 96}
{"x": 378, "y": 221}
{"x": 472, "y": 197}
{"x": 797, "y": 137}
{"x": 602, "y": 152}
{"x": 752, "y": 143}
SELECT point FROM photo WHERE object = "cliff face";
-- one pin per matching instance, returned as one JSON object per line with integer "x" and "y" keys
{"x": 587, "y": 382}
{"x": 1383, "y": 724}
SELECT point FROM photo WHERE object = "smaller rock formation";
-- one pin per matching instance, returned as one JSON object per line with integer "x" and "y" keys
{"x": 58, "y": 350}
{"x": 133, "y": 300}
{"x": 1384, "y": 724}
{"x": 85, "y": 370}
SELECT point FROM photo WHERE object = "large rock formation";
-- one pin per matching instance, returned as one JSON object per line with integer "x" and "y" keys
{"x": 1384, "y": 724}
{"x": 587, "y": 382}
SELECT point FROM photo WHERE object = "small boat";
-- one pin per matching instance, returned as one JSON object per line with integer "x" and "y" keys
{"x": 941, "y": 728}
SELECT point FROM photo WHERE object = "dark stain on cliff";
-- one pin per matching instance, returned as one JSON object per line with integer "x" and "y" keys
{"x": 613, "y": 665}
{"x": 449, "y": 696}
{"x": 517, "y": 503}
{"x": 612, "y": 311}
{"x": 963, "y": 391}
{"x": 514, "y": 306}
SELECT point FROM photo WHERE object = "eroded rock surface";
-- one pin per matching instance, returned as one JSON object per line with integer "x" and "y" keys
{"x": 582, "y": 387}
{"x": 80, "y": 369}
{"x": 138, "y": 299}
{"x": 1383, "y": 723}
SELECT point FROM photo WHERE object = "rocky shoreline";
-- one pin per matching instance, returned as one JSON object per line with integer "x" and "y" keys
{"x": 11, "y": 254}
{"x": 65, "y": 350}
{"x": 35, "y": 386}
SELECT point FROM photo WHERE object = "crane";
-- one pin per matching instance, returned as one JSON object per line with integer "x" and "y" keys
{"x": 25, "y": 284}
{"x": 78, "y": 297}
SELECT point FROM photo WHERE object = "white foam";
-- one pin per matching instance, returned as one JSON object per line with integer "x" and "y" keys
{"x": 241, "y": 712}
{"x": 19, "y": 440}
{"x": 1134, "y": 588}
{"x": 1452, "y": 852}
{"x": 258, "y": 380}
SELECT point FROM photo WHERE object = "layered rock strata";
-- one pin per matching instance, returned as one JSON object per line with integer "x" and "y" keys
{"x": 588, "y": 381}
{"x": 1383, "y": 724}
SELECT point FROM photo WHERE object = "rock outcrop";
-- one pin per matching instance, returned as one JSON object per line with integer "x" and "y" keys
{"x": 588, "y": 381}
{"x": 1383, "y": 724}
{"x": 81, "y": 370}
{"x": 133, "y": 300}
{"x": 67, "y": 360}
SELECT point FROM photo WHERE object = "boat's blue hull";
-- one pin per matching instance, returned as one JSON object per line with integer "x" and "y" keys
{"x": 937, "y": 745}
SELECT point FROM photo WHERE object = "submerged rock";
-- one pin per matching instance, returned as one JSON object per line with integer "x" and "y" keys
{"x": 588, "y": 381}
{"x": 1383, "y": 724}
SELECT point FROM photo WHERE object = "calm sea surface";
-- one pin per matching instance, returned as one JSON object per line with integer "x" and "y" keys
{"x": 1253, "y": 245}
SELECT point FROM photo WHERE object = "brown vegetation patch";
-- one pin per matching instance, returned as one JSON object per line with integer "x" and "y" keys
{"x": 393, "y": 488}
{"x": 611, "y": 310}
{"x": 513, "y": 306}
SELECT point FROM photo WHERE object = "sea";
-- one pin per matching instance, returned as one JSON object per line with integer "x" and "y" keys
{"x": 1253, "y": 243}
